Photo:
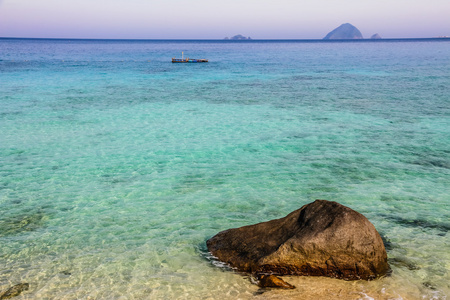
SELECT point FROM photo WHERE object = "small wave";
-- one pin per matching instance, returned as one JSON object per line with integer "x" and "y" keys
{"x": 215, "y": 261}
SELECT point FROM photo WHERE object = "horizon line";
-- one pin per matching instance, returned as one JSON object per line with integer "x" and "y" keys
{"x": 226, "y": 40}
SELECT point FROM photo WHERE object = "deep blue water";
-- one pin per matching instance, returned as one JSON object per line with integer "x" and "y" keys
{"x": 116, "y": 165}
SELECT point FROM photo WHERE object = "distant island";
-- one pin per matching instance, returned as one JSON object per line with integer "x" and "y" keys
{"x": 238, "y": 37}
{"x": 344, "y": 32}
{"x": 347, "y": 32}
{"x": 376, "y": 36}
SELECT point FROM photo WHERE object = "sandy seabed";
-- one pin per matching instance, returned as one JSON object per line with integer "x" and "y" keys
{"x": 329, "y": 288}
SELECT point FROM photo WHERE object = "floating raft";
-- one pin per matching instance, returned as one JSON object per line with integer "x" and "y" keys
{"x": 188, "y": 60}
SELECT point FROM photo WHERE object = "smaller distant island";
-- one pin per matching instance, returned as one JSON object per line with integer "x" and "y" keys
{"x": 238, "y": 37}
{"x": 376, "y": 36}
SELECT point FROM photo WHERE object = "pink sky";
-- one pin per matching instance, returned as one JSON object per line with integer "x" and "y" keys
{"x": 206, "y": 19}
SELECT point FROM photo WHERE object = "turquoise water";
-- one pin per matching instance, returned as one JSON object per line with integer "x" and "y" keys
{"x": 116, "y": 165}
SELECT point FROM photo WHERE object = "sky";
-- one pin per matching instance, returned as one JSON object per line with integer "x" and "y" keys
{"x": 216, "y": 19}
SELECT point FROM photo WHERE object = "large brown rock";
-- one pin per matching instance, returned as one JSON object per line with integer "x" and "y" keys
{"x": 323, "y": 238}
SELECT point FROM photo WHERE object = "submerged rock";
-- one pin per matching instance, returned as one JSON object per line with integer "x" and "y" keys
{"x": 14, "y": 291}
{"x": 403, "y": 263}
{"x": 323, "y": 238}
{"x": 16, "y": 224}
{"x": 66, "y": 272}
{"x": 273, "y": 281}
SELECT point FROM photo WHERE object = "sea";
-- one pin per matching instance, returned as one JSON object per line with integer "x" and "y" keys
{"x": 117, "y": 165}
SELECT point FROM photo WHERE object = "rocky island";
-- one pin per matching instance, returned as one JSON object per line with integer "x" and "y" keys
{"x": 376, "y": 36}
{"x": 344, "y": 32}
{"x": 238, "y": 38}
{"x": 323, "y": 238}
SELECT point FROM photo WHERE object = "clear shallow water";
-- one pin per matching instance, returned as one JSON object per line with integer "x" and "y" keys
{"x": 116, "y": 165}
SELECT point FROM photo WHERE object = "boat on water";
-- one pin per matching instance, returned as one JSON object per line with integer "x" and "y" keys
{"x": 188, "y": 60}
